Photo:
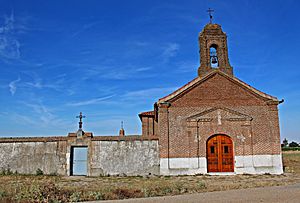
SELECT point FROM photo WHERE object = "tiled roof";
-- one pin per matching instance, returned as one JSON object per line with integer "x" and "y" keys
{"x": 147, "y": 113}
{"x": 33, "y": 139}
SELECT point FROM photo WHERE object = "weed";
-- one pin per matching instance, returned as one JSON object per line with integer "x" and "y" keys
{"x": 75, "y": 197}
{"x": 2, "y": 194}
{"x": 39, "y": 172}
{"x": 201, "y": 185}
{"x": 97, "y": 195}
{"x": 6, "y": 172}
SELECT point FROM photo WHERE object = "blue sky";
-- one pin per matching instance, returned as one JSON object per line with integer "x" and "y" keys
{"x": 113, "y": 59}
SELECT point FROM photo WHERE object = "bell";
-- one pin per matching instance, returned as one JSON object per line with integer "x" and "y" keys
{"x": 214, "y": 60}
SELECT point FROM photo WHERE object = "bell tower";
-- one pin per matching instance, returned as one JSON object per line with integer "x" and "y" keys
{"x": 213, "y": 49}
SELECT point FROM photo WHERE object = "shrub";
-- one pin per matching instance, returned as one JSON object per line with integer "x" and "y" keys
{"x": 2, "y": 194}
{"x": 75, "y": 197}
{"x": 97, "y": 195}
{"x": 293, "y": 144}
{"x": 39, "y": 172}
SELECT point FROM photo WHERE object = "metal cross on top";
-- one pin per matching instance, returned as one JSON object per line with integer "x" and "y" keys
{"x": 210, "y": 11}
{"x": 80, "y": 119}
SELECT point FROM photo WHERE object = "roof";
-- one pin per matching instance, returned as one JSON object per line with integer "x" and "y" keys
{"x": 147, "y": 114}
{"x": 199, "y": 80}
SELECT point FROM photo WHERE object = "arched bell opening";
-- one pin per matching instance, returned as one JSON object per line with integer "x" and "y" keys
{"x": 219, "y": 154}
{"x": 214, "y": 61}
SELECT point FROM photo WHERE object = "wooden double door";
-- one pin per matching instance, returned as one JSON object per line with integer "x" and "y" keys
{"x": 220, "y": 154}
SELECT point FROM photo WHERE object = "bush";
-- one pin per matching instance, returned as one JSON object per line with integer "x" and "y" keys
{"x": 39, "y": 172}
{"x": 97, "y": 195}
{"x": 75, "y": 197}
{"x": 293, "y": 144}
{"x": 2, "y": 194}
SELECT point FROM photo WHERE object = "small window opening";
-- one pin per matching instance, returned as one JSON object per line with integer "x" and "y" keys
{"x": 212, "y": 149}
{"x": 226, "y": 149}
{"x": 214, "y": 62}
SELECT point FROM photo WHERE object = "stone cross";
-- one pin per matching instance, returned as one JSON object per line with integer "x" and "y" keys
{"x": 80, "y": 119}
{"x": 210, "y": 15}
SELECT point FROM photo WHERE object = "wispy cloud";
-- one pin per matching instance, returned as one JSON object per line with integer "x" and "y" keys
{"x": 34, "y": 81}
{"x": 9, "y": 44}
{"x": 151, "y": 93}
{"x": 40, "y": 112}
{"x": 13, "y": 86}
{"x": 91, "y": 101}
{"x": 39, "y": 84}
{"x": 38, "y": 116}
{"x": 22, "y": 119}
{"x": 117, "y": 73}
{"x": 170, "y": 51}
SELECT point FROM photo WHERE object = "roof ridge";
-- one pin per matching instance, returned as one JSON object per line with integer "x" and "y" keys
{"x": 201, "y": 79}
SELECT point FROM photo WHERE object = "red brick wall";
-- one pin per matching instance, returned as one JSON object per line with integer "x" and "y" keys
{"x": 248, "y": 119}
{"x": 149, "y": 126}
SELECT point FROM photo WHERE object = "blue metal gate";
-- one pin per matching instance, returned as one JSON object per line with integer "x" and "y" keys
{"x": 79, "y": 161}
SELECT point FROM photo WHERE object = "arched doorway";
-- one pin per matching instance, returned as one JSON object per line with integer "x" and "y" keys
{"x": 219, "y": 154}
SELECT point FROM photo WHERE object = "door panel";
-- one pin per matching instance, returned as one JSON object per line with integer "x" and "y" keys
{"x": 79, "y": 161}
{"x": 220, "y": 154}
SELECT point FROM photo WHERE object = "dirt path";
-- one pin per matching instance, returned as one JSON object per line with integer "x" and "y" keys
{"x": 290, "y": 193}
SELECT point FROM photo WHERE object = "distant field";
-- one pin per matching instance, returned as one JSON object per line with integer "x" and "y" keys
{"x": 22, "y": 188}
{"x": 291, "y": 161}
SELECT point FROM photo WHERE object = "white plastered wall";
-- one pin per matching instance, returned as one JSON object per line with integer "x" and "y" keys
{"x": 253, "y": 164}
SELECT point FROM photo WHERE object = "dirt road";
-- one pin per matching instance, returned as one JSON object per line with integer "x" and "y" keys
{"x": 290, "y": 193}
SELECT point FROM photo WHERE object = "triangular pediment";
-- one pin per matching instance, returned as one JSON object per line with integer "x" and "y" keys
{"x": 219, "y": 114}
{"x": 199, "y": 80}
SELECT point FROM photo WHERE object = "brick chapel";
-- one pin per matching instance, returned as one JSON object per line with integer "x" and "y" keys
{"x": 216, "y": 123}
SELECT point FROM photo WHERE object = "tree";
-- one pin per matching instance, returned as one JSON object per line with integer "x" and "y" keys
{"x": 285, "y": 142}
{"x": 293, "y": 144}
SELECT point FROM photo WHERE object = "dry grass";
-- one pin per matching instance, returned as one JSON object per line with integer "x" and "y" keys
{"x": 21, "y": 188}
{"x": 291, "y": 161}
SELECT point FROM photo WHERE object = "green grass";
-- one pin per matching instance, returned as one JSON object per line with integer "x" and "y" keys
{"x": 290, "y": 148}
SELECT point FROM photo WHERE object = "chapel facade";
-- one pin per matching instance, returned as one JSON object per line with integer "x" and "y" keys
{"x": 216, "y": 123}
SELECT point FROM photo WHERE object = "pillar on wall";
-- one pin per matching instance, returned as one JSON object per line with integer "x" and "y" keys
{"x": 122, "y": 131}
